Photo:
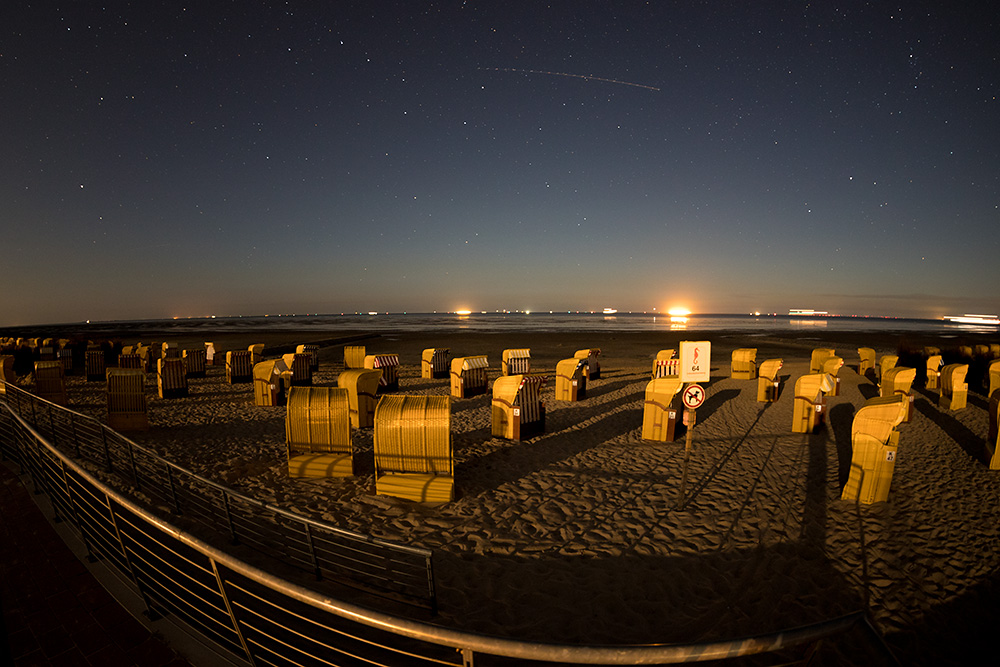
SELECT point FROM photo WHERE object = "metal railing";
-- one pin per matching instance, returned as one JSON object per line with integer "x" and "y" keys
{"x": 399, "y": 571}
{"x": 265, "y": 619}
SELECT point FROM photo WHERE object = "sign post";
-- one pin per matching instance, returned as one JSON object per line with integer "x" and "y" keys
{"x": 692, "y": 396}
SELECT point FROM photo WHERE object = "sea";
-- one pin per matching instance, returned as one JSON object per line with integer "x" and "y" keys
{"x": 548, "y": 322}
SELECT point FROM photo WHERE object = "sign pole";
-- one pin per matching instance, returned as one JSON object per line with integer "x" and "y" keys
{"x": 692, "y": 397}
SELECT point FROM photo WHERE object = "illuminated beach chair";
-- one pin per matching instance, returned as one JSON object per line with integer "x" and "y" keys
{"x": 954, "y": 389}
{"x": 866, "y": 360}
{"x": 127, "y": 399}
{"x": 660, "y": 409}
{"x": 65, "y": 357}
{"x": 593, "y": 369}
{"x": 170, "y": 351}
{"x": 256, "y": 353}
{"x": 517, "y": 406}
{"x": 94, "y": 363}
{"x": 299, "y": 371}
{"x": 468, "y": 376}
{"x": 131, "y": 361}
{"x": 210, "y": 354}
{"x": 354, "y": 356}
{"x": 993, "y": 435}
{"x": 239, "y": 367}
{"x": 434, "y": 363}
{"x": 318, "y": 432}
{"x": 171, "y": 378}
{"x": 389, "y": 365}
{"x": 571, "y": 379}
{"x": 993, "y": 375}
{"x": 934, "y": 364}
{"x": 413, "y": 455}
{"x": 50, "y": 381}
{"x": 7, "y": 368}
{"x": 887, "y": 362}
{"x": 744, "y": 364}
{"x": 831, "y": 366}
{"x": 874, "y": 445}
{"x": 897, "y": 382}
{"x": 819, "y": 355}
{"x": 515, "y": 362}
{"x": 269, "y": 383}
{"x": 46, "y": 352}
{"x": 146, "y": 357}
{"x": 665, "y": 365}
{"x": 194, "y": 362}
{"x": 313, "y": 352}
{"x": 768, "y": 381}
{"x": 809, "y": 406}
{"x": 362, "y": 386}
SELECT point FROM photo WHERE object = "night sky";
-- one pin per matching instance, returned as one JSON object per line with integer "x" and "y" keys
{"x": 171, "y": 159}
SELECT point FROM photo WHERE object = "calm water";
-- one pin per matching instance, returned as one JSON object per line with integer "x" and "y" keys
{"x": 499, "y": 322}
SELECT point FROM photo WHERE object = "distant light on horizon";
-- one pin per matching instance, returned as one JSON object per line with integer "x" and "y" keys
{"x": 679, "y": 311}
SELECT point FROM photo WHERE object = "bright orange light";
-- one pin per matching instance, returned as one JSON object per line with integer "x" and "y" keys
{"x": 679, "y": 311}
{"x": 463, "y": 312}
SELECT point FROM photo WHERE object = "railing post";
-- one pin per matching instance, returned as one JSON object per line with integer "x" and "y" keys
{"x": 173, "y": 489}
{"x": 312, "y": 552}
{"x": 135, "y": 470}
{"x": 52, "y": 427}
{"x": 229, "y": 518}
{"x": 76, "y": 437}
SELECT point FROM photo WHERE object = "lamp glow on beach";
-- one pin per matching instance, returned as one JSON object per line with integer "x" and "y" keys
{"x": 679, "y": 314}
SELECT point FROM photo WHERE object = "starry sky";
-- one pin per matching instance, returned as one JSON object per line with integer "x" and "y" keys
{"x": 166, "y": 159}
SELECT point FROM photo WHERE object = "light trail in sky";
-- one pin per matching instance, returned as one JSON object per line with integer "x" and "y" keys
{"x": 572, "y": 76}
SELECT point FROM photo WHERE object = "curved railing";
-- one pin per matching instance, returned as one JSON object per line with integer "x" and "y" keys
{"x": 265, "y": 619}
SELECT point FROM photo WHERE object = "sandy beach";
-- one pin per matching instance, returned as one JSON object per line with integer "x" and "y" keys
{"x": 580, "y": 534}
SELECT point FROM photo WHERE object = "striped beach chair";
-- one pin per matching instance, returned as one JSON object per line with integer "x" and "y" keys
{"x": 866, "y": 360}
{"x": 238, "y": 366}
{"x": 94, "y": 364}
{"x": 354, "y": 356}
{"x": 127, "y": 399}
{"x": 434, "y": 362}
{"x": 269, "y": 383}
{"x": 50, "y": 381}
{"x": 318, "y": 432}
{"x": 897, "y": 382}
{"x": 413, "y": 454}
{"x": 659, "y": 411}
{"x": 468, "y": 376}
{"x": 874, "y": 443}
{"x": 518, "y": 412}
{"x": 362, "y": 386}
{"x": 809, "y": 405}
{"x": 313, "y": 352}
{"x": 171, "y": 377}
{"x": 831, "y": 366}
{"x": 389, "y": 364}
{"x": 571, "y": 379}
{"x": 744, "y": 364}
{"x": 665, "y": 364}
{"x": 593, "y": 369}
{"x": 516, "y": 361}
{"x": 194, "y": 362}
{"x": 299, "y": 368}
{"x": 934, "y": 363}
{"x": 954, "y": 390}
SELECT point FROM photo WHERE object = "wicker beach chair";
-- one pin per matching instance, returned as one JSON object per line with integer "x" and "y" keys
{"x": 809, "y": 406}
{"x": 256, "y": 353}
{"x": 897, "y": 382}
{"x": 127, "y": 399}
{"x": 744, "y": 364}
{"x": 65, "y": 357}
{"x": 831, "y": 366}
{"x": 238, "y": 366}
{"x": 269, "y": 383}
{"x": 354, "y": 356}
{"x": 194, "y": 362}
{"x": 468, "y": 376}
{"x": 362, "y": 386}
{"x": 517, "y": 407}
{"x": 413, "y": 455}
{"x": 665, "y": 364}
{"x": 874, "y": 444}
{"x": 299, "y": 369}
{"x": 131, "y": 361}
{"x": 593, "y": 369}
{"x": 887, "y": 362}
{"x": 571, "y": 379}
{"x": 819, "y": 355}
{"x": 50, "y": 381}
{"x": 434, "y": 363}
{"x": 7, "y": 369}
{"x": 94, "y": 364}
{"x": 313, "y": 352}
{"x": 866, "y": 360}
{"x": 515, "y": 361}
{"x": 171, "y": 378}
{"x": 934, "y": 363}
{"x": 993, "y": 434}
{"x": 768, "y": 381}
{"x": 170, "y": 351}
{"x": 389, "y": 365}
{"x": 993, "y": 374}
{"x": 318, "y": 432}
{"x": 954, "y": 389}
{"x": 660, "y": 409}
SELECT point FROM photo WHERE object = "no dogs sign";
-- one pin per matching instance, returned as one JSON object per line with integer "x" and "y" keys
{"x": 693, "y": 396}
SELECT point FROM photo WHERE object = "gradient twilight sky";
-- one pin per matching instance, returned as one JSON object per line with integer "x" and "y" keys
{"x": 167, "y": 159}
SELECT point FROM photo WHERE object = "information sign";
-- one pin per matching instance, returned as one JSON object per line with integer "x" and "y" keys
{"x": 696, "y": 361}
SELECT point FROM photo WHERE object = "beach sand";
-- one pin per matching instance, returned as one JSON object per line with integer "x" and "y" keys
{"x": 580, "y": 535}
